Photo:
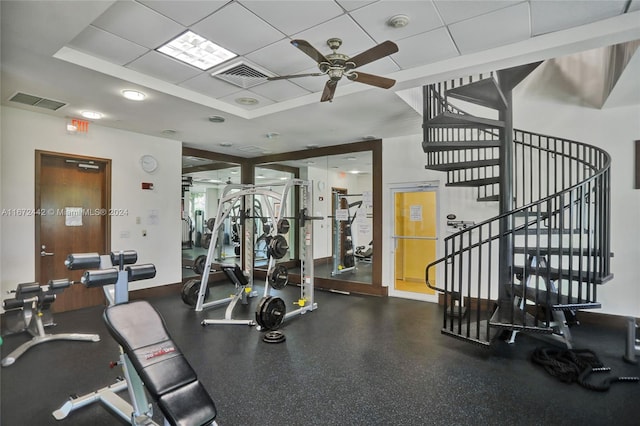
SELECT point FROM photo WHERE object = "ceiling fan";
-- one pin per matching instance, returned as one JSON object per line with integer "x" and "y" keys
{"x": 336, "y": 65}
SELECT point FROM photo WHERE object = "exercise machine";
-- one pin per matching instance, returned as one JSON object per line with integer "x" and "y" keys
{"x": 273, "y": 206}
{"x": 344, "y": 259}
{"x": 632, "y": 346}
{"x": 150, "y": 360}
{"x": 28, "y": 307}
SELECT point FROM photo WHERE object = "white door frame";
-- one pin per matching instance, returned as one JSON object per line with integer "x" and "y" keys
{"x": 430, "y": 186}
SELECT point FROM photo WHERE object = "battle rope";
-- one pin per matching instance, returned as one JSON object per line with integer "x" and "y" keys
{"x": 575, "y": 365}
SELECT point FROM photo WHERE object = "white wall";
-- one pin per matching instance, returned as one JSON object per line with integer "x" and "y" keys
{"x": 612, "y": 129}
{"x": 23, "y": 132}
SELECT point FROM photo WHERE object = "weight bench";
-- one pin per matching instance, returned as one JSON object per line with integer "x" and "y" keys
{"x": 30, "y": 303}
{"x": 165, "y": 372}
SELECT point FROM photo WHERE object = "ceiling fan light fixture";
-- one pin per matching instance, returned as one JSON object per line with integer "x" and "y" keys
{"x": 398, "y": 21}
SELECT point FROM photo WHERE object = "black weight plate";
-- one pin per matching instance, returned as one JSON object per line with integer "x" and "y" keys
{"x": 279, "y": 278}
{"x": 206, "y": 240}
{"x": 199, "y": 264}
{"x": 348, "y": 244}
{"x": 211, "y": 223}
{"x": 272, "y": 313}
{"x": 259, "y": 310}
{"x": 190, "y": 291}
{"x": 349, "y": 261}
{"x": 283, "y": 226}
{"x": 274, "y": 337}
{"x": 278, "y": 247}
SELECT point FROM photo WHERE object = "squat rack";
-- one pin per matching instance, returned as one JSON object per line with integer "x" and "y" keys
{"x": 239, "y": 193}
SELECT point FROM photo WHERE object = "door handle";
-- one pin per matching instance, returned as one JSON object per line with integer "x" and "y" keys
{"x": 43, "y": 253}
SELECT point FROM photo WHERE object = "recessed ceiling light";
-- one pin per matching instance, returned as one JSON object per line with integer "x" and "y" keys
{"x": 310, "y": 162}
{"x": 312, "y": 146}
{"x": 216, "y": 119}
{"x": 272, "y": 135}
{"x": 169, "y": 132}
{"x": 92, "y": 115}
{"x": 350, "y": 158}
{"x": 247, "y": 101}
{"x": 226, "y": 144}
{"x": 196, "y": 50}
{"x": 133, "y": 95}
{"x": 398, "y": 21}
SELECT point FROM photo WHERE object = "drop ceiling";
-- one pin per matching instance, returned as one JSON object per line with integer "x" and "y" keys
{"x": 84, "y": 53}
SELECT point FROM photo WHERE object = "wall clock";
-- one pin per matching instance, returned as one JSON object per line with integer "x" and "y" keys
{"x": 148, "y": 163}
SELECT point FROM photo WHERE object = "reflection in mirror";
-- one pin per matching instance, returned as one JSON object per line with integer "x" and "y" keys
{"x": 342, "y": 195}
{"x": 203, "y": 180}
{"x": 273, "y": 178}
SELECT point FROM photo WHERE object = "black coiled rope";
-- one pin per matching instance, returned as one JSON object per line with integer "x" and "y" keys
{"x": 575, "y": 365}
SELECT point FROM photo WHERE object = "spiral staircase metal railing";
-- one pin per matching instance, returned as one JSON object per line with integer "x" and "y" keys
{"x": 532, "y": 267}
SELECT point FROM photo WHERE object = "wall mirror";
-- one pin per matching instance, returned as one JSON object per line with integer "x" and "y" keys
{"x": 204, "y": 176}
{"x": 344, "y": 190}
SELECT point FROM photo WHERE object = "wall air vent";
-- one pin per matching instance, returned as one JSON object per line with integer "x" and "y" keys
{"x": 23, "y": 98}
{"x": 242, "y": 74}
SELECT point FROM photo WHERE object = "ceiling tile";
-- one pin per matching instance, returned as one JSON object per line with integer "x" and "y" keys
{"x": 635, "y": 5}
{"x": 494, "y": 29}
{"x": 139, "y": 24}
{"x": 262, "y": 101}
{"x": 279, "y": 90}
{"x": 299, "y": 15}
{"x": 382, "y": 66}
{"x": 185, "y": 12}
{"x": 280, "y": 58}
{"x": 352, "y": 5}
{"x": 107, "y": 46}
{"x": 355, "y": 40}
{"x": 205, "y": 84}
{"x": 454, "y": 11}
{"x": 425, "y": 48}
{"x": 223, "y": 28}
{"x": 555, "y": 15}
{"x": 422, "y": 16}
{"x": 161, "y": 66}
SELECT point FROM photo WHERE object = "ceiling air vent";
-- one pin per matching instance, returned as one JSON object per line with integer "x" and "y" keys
{"x": 23, "y": 98}
{"x": 242, "y": 74}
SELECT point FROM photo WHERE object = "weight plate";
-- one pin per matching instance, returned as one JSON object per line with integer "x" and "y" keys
{"x": 190, "y": 291}
{"x": 271, "y": 312}
{"x": 206, "y": 240}
{"x": 278, "y": 247}
{"x": 349, "y": 261}
{"x": 211, "y": 223}
{"x": 199, "y": 264}
{"x": 274, "y": 337}
{"x": 283, "y": 226}
{"x": 279, "y": 278}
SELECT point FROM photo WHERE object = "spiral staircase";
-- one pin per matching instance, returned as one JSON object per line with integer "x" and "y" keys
{"x": 532, "y": 267}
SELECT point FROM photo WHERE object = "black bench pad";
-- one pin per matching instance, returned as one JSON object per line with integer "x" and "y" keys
{"x": 165, "y": 372}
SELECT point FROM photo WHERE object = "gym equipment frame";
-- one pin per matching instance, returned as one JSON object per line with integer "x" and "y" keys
{"x": 343, "y": 238}
{"x": 234, "y": 194}
{"x": 32, "y": 299}
{"x": 632, "y": 342}
{"x": 114, "y": 276}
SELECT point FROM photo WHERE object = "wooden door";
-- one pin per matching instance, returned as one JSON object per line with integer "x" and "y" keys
{"x": 72, "y": 196}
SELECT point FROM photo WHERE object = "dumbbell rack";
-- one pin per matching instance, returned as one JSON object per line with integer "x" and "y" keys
{"x": 32, "y": 299}
{"x": 113, "y": 276}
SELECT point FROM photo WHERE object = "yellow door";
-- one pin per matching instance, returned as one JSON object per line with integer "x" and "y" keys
{"x": 415, "y": 238}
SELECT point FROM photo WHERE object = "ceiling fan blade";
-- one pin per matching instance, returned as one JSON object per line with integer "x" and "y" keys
{"x": 373, "y": 80}
{"x": 329, "y": 90}
{"x": 309, "y": 50}
{"x": 286, "y": 77}
{"x": 380, "y": 51}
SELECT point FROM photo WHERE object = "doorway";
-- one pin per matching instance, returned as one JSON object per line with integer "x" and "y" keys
{"x": 72, "y": 196}
{"x": 415, "y": 239}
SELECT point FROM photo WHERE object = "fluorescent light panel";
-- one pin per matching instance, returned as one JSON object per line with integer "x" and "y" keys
{"x": 195, "y": 50}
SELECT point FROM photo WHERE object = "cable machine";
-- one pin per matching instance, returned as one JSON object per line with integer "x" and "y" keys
{"x": 344, "y": 259}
